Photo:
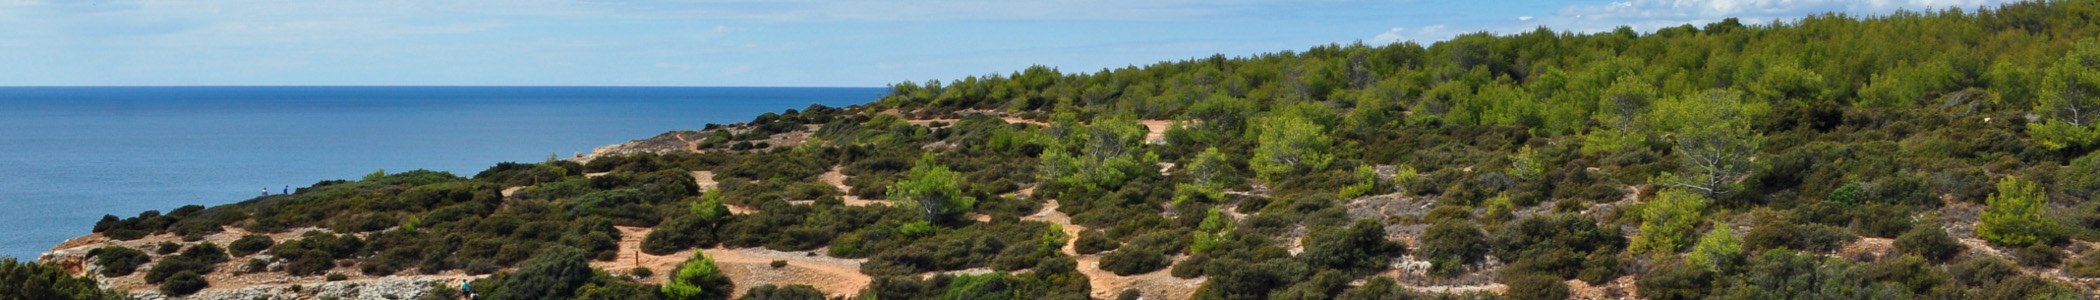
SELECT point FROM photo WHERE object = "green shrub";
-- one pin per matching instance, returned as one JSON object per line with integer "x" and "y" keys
{"x": 1535, "y": 286}
{"x": 1671, "y": 280}
{"x": 1360, "y": 248}
{"x": 118, "y": 260}
{"x": 555, "y": 273}
{"x": 166, "y": 248}
{"x": 1133, "y": 260}
{"x": 250, "y": 244}
{"x": 641, "y": 272}
{"x": 790, "y": 292}
{"x": 1568, "y": 245}
{"x": 2028, "y": 287}
{"x": 2040, "y": 256}
{"x": 697, "y": 278}
{"x": 1929, "y": 242}
{"x": 2087, "y": 265}
{"x": 1094, "y": 241}
{"x": 1983, "y": 271}
{"x": 1880, "y": 220}
{"x": 183, "y": 284}
{"x": 1452, "y": 242}
{"x": 171, "y": 265}
{"x": 1377, "y": 288}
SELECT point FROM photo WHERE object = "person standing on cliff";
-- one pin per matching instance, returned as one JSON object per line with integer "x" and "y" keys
{"x": 287, "y": 190}
{"x": 266, "y": 192}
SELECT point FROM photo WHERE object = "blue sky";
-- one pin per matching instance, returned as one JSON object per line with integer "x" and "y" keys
{"x": 751, "y": 42}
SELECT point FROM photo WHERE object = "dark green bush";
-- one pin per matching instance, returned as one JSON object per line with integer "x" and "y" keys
{"x": 2040, "y": 256}
{"x": 790, "y": 292}
{"x": 1360, "y": 248}
{"x": 1879, "y": 220}
{"x": 183, "y": 284}
{"x": 1672, "y": 280}
{"x": 250, "y": 244}
{"x": 555, "y": 273}
{"x": 1094, "y": 241}
{"x": 1453, "y": 241}
{"x": 118, "y": 260}
{"x": 1929, "y": 242}
{"x": 166, "y": 248}
{"x": 2087, "y": 265}
{"x": 1983, "y": 271}
{"x": 1535, "y": 286}
{"x": 1566, "y": 245}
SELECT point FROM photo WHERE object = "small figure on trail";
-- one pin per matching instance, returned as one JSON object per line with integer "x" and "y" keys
{"x": 287, "y": 190}
{"x": 266, "y": 192}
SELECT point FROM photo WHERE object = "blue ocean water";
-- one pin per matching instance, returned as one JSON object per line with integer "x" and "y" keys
{"x": 69, "y": 155}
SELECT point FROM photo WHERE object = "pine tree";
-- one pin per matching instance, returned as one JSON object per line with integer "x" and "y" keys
{"x": 2014, "y": 216}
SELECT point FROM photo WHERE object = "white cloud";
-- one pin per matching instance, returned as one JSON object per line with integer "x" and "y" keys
{"x": 1424, "y": 35}
{"x": 1390, "y": 36}
{"x": 1524, "y": 18}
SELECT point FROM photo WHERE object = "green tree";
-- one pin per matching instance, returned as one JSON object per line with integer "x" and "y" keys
{"x": 1712, "y": 134}
{"x": 1209, "y": 173}
{"x": 697, "y": 278}
{"x": 1288, "y": 143}
{"x": 1667, "y": 222}
{"x": 2070, "y": 102}
{"x": 933, "y": 191}
{"x": 1211, "y": 231}
{"x": 27, "y": 280}
{"x": 1096, "y": 157}
{"x": 2014, "y": 214}
{"x": 1718, "y": 251}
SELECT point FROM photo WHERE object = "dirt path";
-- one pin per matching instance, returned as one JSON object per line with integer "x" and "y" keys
{"x": 1399, "y": 276}
{"x": 705, "y": 179}
{"x": 837, "y": 179}
{"x": 690, "y": 144}
{"x": 1107, "y": 284}
{"x": 1156, "y": 130}
{"x": 752, "y": 267}
{"x": 630, "y": 256}
{"x": 747, "y": 268}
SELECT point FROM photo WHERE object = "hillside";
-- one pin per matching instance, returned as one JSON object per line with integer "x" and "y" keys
{"x": 1945, "y": 154}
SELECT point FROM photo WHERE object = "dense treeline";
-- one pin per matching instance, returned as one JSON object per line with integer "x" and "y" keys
{"x": 1723, "y": 160}
{"x": 27, "y": 280}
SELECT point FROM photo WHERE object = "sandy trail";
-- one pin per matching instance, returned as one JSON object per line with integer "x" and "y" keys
{"x": 631, "y": 256}
{"x": 837, "y": 179}
{"x": 752, "y": 267}
{"x": 690, "y": 144}
{"x": 746, "y": 268}
{"x": 1156, "y": 130}
{"x": 1107, "y": 284}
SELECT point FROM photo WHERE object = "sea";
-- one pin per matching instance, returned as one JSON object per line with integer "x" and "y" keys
{"x": 69, "y": 155}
